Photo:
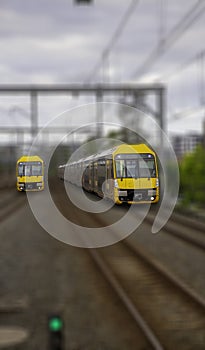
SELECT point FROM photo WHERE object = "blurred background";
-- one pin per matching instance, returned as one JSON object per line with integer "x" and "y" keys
{"x": 58, "y": 55}
{"x": 50, "y": 44}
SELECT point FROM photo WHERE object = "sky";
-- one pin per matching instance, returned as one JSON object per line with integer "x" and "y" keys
{"x": 58, "y": 41}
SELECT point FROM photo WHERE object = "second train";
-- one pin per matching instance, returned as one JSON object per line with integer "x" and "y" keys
{"x": 124, "y": 174}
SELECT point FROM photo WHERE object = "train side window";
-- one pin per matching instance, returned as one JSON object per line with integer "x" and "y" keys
{"x": 111, "y": 170}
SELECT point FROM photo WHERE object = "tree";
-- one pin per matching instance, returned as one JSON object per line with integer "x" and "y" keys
{"x": 192, "y": 173}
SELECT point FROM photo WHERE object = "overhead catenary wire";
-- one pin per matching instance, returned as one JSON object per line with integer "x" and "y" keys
{"x": 181, "y": 67}
{"x": 199, "y": 59}
{"x": 189, "y": 19}
{"x": 118, "y": 32}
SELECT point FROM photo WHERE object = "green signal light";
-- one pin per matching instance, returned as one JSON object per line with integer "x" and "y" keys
{"x": 55, "y": 324}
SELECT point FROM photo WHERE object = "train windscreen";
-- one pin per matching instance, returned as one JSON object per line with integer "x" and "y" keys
{"x": 135, "y": 166}
{"x": 30, "y": 169}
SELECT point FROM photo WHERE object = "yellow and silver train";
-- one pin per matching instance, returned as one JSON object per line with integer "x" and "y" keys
{"x": 30, "y": 173}
{"x": 125, "y": 173}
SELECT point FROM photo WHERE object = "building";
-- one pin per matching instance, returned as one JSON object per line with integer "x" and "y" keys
{"x": 183, "y": 144}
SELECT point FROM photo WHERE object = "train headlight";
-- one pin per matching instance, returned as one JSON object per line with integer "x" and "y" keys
{"x": 152, "y": 198}
{"x": 21, "y": 186}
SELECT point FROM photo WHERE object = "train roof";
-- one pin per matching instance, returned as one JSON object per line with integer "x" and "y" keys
{"x": 29, "y": 159}
{"x": 138, "y": 148}
{"x": 123, "y": 148}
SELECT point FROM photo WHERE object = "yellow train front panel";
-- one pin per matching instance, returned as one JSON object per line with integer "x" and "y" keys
{"x": 30, "y": 173}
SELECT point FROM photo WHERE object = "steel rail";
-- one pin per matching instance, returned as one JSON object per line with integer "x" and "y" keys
{"x": 190, "y": 222}
{"x": 13, "y": 207}
{"x": 119, "y": 290}
{"x": 200, "y": 244}
{"x": 157, "y": 266}
{"x": 151, "y": 337}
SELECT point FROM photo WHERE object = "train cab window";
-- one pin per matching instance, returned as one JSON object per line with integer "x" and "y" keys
{"x": 30, "y": 169}
{"x": 132, "y": 168}
{"x": 147, "y": 168}
{"x": 127, "y": 168}
{"x": 36, "y": 170}
{"x": 20, "y": 170}
{"x": 120, "y": 168}
{"x": 135, "y": 168}
{"x": 27, "y": 170}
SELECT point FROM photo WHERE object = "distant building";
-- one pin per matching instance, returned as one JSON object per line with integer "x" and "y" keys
{"x": 183, "y": 144}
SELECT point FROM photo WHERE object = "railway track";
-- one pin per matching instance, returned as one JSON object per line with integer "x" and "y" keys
{"x": 185, "y": 229}
{"x": 163, "y": 307}
{"x": 165, "y": 286}
{"x": 157, "y": 307}
{"x": 10, "y": 202}
{"x": 121, "y": 293}
{"x": 126, "y": 300}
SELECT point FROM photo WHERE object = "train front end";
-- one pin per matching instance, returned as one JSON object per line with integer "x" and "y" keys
{"x": 135, "y": 175}
{"x": 30, "y": 174}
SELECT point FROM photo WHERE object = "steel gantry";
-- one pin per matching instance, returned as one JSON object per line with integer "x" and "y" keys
{"x": 97, "y": 90}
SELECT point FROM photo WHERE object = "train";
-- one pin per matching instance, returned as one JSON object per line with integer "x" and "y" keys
{"x": 124, "y": 174}
{"x": 30, "y": 173}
